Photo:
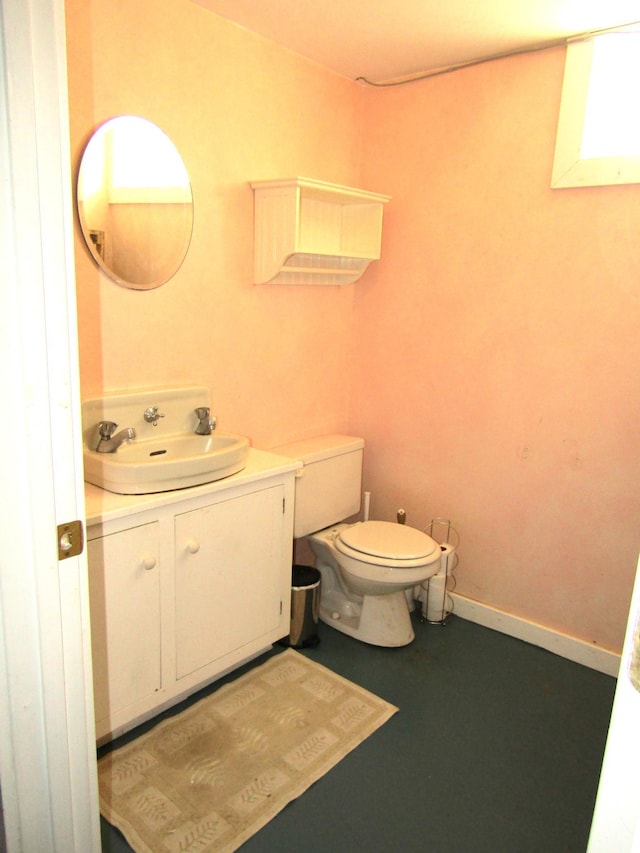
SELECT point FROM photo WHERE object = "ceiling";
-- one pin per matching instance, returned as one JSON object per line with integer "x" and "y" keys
{"x": 384, "y": 40}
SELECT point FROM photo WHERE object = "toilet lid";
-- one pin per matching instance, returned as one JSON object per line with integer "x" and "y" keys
{"x": 389, "y": 541}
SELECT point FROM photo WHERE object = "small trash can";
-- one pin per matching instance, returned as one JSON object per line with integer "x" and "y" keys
{"x": 305, "y": 606}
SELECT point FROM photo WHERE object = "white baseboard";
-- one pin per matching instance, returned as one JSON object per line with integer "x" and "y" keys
{"x": 538, "y": 635}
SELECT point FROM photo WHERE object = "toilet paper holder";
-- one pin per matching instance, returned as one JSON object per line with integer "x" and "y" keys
{"x": 436, "y": 603}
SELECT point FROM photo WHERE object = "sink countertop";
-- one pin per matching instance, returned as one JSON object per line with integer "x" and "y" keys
{"x": 101, "y": 505}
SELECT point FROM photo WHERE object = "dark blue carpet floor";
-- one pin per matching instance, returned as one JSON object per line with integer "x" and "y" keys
{"x": 497, "y": 747}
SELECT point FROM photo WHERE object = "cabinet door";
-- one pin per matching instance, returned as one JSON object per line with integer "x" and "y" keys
{"x": 228, "y": 576}
{"x": 124, "y": 587}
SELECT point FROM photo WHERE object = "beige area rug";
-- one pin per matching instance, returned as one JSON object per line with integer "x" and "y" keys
{"x": 209, "y": 778}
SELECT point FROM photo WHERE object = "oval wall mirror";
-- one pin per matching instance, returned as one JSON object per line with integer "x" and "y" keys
{"x": 134, "y": 202}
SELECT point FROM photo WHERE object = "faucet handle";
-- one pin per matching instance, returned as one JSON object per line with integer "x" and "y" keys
{"x": 152, "y": 415}
{"x": 206, "y": 423}
{"x": 107, "y": 429}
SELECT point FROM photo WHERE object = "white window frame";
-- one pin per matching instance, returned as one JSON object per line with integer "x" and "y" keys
{"x": 569, "y": 169}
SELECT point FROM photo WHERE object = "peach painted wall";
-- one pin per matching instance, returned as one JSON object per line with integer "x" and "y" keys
{"x": 497, "y": 355}
{"x": 238, "y": 109}
{"x": 490, "y": 359}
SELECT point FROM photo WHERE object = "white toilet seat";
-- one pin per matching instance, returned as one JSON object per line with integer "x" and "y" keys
{"x": 383, "y": 543}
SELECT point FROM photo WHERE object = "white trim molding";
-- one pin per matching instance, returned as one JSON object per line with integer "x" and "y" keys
{"x": 560, "y": 644}
{"x": 47, "y": 734}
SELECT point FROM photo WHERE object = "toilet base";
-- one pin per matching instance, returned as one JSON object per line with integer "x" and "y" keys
{"x": 380, "y": 620}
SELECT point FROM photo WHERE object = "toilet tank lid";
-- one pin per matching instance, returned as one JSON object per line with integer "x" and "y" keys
{"x": 321, "y": 447}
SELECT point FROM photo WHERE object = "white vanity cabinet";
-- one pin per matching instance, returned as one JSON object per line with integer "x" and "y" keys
{"x": 225, "y": 593}
{"x": 125, "y": 620}
{"x": 185, "y": 586}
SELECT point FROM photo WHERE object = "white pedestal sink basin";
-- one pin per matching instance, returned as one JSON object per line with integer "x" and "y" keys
{"x": 164, "y": 456}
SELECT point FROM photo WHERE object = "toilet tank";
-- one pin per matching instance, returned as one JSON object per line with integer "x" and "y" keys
{"x": 329, "y": 485}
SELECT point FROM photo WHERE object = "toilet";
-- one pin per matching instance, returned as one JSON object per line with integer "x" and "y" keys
{"x": 366, "y": 566}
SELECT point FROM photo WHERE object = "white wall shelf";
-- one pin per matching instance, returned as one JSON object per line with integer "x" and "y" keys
{"x": 312, "y": 232}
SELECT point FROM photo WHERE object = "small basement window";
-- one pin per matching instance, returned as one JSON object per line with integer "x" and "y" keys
{"x": 598, "y": 138}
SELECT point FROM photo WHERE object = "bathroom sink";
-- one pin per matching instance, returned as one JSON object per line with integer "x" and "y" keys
{"x": 166, "y": 462}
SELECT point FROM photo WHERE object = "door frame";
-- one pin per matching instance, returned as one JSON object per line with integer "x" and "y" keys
{"x": 48, "y": 779}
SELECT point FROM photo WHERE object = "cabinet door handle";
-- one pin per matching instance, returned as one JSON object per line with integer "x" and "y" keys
{"x": 193, "y": 546}
{"x": 149, "y": 562}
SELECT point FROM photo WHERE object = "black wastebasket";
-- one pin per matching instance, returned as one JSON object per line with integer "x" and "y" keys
{"x": 305, "y": 606}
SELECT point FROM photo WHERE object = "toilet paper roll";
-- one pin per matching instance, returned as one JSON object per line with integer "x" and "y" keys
{"x": 446, "y": 560}
{"x": 436, "y": 603}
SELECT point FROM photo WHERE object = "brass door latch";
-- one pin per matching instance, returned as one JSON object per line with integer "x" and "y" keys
{"x": 70, "y": 539}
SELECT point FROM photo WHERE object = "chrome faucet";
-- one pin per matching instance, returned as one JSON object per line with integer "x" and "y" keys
{"x": 206, "y": 422}
{"x": 109, "y": 442}
{"x": 152, "y": 415}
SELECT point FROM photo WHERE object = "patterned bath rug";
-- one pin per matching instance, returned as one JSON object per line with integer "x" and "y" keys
{"x": 209, "y": 778}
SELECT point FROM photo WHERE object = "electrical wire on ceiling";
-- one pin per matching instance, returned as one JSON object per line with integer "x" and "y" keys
{"x": 532, "y": 48}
